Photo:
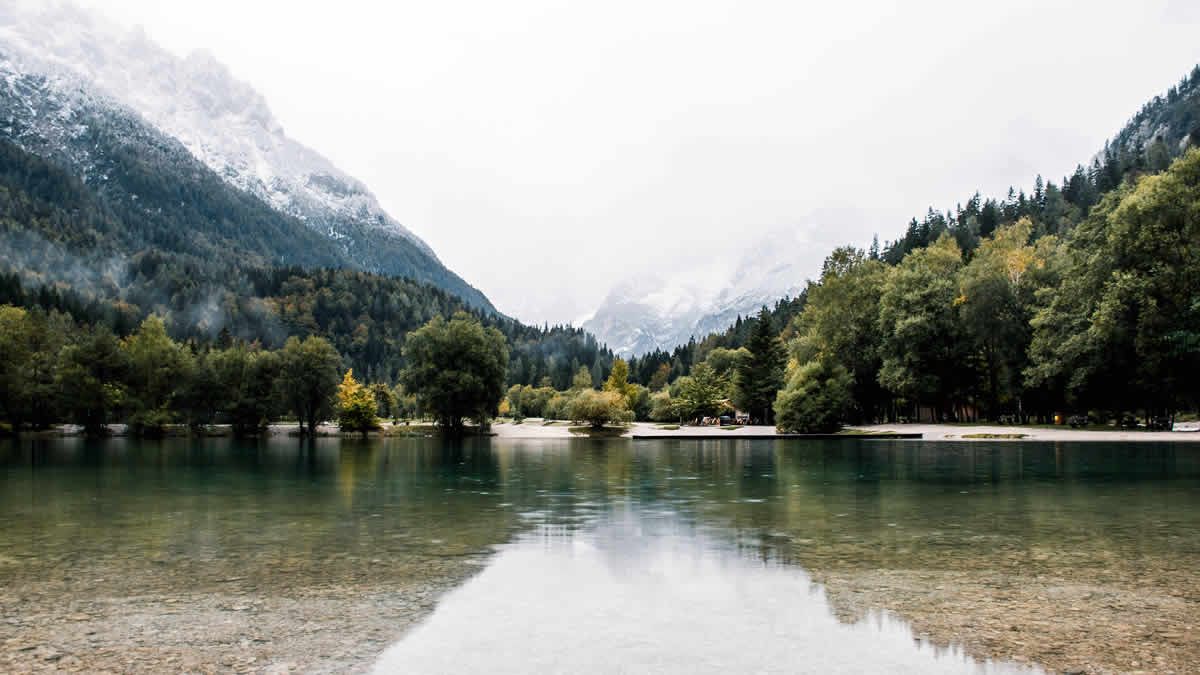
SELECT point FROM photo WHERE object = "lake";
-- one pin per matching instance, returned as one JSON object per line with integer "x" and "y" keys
{"x": 418, "y": 555}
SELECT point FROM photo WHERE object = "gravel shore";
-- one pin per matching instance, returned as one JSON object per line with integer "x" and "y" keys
{"x": 536, "y": 428}
{"x": 121, "y": 617}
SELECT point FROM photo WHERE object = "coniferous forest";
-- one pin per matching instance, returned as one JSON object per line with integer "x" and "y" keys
{"x": 1079, "y": 297}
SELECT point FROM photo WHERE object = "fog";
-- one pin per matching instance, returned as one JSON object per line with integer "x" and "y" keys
{"x": 547, "y": 150}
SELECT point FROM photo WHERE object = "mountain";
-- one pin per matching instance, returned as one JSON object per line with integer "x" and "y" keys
{"x": 652, "y": 313}
{"x": 67, "y": 77}
{"x": 640, "y": 317}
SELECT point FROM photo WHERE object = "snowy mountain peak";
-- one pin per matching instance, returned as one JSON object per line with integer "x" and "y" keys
{"x": 652, "y": 312}
{"x": 224, "y": 122}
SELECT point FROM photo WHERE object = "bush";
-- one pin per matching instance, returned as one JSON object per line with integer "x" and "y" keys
{"x": 661, "y": 409}
{"x": 558, "y": 408}
{"x": 598, "y": 408}
{"x": 815, "y": 399}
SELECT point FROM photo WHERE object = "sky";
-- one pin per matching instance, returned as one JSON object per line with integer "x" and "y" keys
{"x": 547, "y": 150}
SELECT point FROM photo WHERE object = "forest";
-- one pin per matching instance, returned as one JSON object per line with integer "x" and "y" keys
{"x": 1078, "y": 297}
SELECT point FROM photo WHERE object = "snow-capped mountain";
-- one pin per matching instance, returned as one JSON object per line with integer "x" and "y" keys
{"x": 654, "y": 312}
{"x": 223, "y": 122}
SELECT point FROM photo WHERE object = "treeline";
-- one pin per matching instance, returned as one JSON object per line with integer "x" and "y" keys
{"x": 56, "y": 370}
{"x": 114, "y": 261}
{"x": 747, "y": 378}
{"x": 1101, "y": 320}
{"x": 1077, "y": 297}
{"x": 649, "y": 369}
{"x": 1148, "y": 144}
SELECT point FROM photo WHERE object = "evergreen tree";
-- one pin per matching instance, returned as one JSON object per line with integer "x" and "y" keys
{"x": 759, "y": 377}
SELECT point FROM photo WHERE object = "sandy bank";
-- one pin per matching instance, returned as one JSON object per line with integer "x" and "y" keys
{"x": 536, "y": 428}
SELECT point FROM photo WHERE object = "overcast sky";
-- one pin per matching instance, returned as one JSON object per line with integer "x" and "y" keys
{"x": 547, "y": 149}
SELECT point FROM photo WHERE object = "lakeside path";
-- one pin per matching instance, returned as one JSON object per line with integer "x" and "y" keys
{"x": 537, "y": 428}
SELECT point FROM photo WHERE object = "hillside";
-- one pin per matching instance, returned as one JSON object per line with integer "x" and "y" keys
{"x": 1160, "y": 133}
{"x": 121, "y": 113}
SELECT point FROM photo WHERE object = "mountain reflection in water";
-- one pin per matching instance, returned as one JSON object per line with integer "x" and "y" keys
{"x": 647, "y": 592}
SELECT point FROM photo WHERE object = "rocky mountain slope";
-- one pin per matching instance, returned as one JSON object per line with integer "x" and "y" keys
{"x": 653, "y": 312}
{"x": 62, "y": 70}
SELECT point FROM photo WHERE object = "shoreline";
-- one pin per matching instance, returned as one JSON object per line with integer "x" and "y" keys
{"x": 536, "y": 429}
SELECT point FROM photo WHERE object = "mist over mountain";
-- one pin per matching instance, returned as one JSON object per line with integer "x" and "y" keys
{"x": 67, "y": 75}
{"x": 663, "y": 312}
{"x": 652, "y": 313}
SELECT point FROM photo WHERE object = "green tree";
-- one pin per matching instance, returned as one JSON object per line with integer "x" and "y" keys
{"x": 701, "y": 393}
{"x": 558, "y": 407}
{"x": 661, "y": 377}
{"x": 759, "y": 376}
{"x": 923, "y": 359}
{"x": 249, "y": 375}
{"x": 840, "y": 323}
{"x": 355, "y": 406}
{"x": 725, "y": 362}
{"x": 513, "y": 397}
{"x": 206, "y": 392}
{"x": 385, "y": 400}
{"x": 309, "y": 378}
{"x": 582, "y": 379}
{"x": 639, "y": 402}
{"x": 815, "y": 400}
{"x": 456, "y": 369}
{"x": 91, "y": 375}
{"x": 158, "y": 372}
{"x": 1123, "y": 328}
{"x": 15, "y": 361}
{"x": 661, "y": 407}
{"x": 996, "y": 304}
{"x": 598, "y": 408}
{"x": 618, "y": 381}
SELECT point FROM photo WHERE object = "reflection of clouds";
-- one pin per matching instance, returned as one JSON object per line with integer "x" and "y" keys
{"x": 649, "y": 592}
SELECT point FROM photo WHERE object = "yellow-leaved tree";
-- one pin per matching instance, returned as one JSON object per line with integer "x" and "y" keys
{"x": 355, "y": 405}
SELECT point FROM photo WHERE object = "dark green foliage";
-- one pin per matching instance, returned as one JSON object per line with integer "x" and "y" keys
{"x": 158, "y": 375}
{"x": 701, "y": 393}
{"x": 309, "y": 375}
{"x": 107, "y": 266}
{"x": 923, "y": 355}
{"x": 1057, "y": 208}
{"x": 759, "y": 377}
{"x": 815, "y": 400}
{"x": 142, "y": 189}
{"x": 456, "y": 369}
{"x": 91, "y": 371}
{"x": 683, "y": 358}
{"x": 248, "y": 375}
{"x": 1123, "y": 329}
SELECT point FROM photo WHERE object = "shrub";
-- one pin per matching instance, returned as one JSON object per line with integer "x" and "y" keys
{"x": 815, "y": 400}
{"x": 598, "y": 408}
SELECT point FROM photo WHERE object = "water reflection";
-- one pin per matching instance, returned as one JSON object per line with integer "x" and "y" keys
{"x": 647, "y": 592}
{"x": 601, "y": 523}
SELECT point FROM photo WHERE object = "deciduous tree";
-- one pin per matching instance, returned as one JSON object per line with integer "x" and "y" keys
{"x": 456, "y": 369}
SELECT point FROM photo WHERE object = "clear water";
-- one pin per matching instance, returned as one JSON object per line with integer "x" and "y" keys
{"x": 600, "y": 556}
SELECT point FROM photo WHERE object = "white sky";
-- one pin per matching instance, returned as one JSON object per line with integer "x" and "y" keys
{"x": 547, "y": 149}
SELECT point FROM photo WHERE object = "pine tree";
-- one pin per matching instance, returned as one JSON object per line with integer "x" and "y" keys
{"x": 758, "y": 379}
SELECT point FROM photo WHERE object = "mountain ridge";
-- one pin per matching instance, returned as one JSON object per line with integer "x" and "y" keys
{"x": 222, "y": 122}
